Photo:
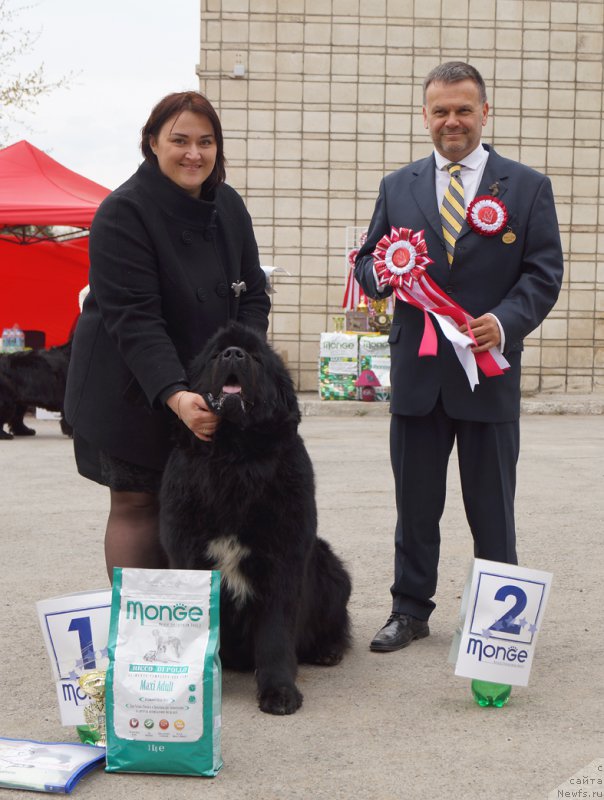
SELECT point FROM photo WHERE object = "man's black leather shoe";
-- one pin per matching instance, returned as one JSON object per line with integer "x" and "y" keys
{"x": 398, "y": 632}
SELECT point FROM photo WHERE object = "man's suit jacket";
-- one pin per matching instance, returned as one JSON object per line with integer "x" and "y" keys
{"x": 519, "y": 283}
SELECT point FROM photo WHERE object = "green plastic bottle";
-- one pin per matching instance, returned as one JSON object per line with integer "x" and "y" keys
{"x": 491, "y": 694}
{"x": 90, "y": 735}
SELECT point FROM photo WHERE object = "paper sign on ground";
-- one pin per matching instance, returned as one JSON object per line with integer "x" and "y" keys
{"x": 76, "y": 631}
{"x": 504, "y": 611}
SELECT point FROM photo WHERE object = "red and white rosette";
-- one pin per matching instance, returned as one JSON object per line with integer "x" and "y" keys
{"x": 401, "y": 257}
{"x": 487, "y": 215}
{"x": 400, "y": 260}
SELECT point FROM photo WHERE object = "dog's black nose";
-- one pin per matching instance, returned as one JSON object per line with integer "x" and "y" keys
{"x": 233, "y": 354}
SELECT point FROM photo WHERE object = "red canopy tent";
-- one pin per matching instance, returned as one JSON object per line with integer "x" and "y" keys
{"x": 40, "y": 276}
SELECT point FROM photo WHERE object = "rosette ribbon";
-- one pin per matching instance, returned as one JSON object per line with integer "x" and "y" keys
{"x": 400, "y": 261}
{"x": 487, "y": 215}
{"x": 353, "y": 294}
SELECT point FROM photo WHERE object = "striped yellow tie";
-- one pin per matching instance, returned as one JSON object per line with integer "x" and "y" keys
{"x": 452, "y": 212}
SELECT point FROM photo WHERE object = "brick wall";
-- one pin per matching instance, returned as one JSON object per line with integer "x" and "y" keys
{"x": 331, "y": 100}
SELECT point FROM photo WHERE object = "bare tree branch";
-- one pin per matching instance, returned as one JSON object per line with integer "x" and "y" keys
{"x": 19, "y": 91}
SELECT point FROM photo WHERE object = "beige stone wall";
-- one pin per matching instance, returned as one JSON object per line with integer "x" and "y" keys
{"x": 331, "y": 100}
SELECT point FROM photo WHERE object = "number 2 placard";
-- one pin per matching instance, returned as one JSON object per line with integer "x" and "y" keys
{"x": 505, "y": 607}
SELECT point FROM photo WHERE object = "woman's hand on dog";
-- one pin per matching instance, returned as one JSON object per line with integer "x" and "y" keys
{"x": 192, "y": 409}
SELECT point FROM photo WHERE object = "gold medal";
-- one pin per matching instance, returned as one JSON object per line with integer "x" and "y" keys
{"x": 509, "y": 237}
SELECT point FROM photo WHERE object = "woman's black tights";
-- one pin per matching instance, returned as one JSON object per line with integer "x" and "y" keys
{"x": 132, "y": 536}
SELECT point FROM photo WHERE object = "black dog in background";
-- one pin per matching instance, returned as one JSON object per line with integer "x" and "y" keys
{"x": 32, "y": 378}
{"x": 244, "y": 503}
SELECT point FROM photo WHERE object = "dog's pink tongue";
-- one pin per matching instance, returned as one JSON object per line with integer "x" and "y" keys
{"x": 231, "y": 389}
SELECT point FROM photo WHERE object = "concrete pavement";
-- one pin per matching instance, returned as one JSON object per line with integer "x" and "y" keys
{"x": 396, "y": 726}
{"x": 584, "y": 404}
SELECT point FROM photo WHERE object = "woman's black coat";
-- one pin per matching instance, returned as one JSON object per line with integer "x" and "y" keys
{"x": 162, "y": 269}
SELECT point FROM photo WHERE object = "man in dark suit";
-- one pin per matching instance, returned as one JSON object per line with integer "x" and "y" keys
{"x": 502, "y": 264}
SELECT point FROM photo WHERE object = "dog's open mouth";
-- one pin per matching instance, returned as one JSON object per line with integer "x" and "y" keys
{"x": 231, "y": 394}
{"x": 231, "y": 388}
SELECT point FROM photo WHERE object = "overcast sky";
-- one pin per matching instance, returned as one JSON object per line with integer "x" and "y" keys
{"x": 125, "y": 56}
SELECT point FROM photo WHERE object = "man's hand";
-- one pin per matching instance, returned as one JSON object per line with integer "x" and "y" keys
{"x": 486, "y": 332}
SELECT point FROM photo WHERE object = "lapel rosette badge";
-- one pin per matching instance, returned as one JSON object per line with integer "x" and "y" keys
{"x": 487, "y": 215}
{"x": 400, "y": 261}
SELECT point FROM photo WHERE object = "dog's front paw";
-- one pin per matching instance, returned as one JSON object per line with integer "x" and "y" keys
{"x": 327, "y": 659}
{"x": 280, "y": 700}
{"x": 21, "y": 429}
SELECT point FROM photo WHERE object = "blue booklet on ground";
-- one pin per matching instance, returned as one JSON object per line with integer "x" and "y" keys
{"x": 46, "y": 766}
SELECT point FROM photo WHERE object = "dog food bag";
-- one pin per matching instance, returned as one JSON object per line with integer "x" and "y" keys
{"x": 338, "y": 366}
{"x": 164, "y": 683}
{"x": 374, "y": 354}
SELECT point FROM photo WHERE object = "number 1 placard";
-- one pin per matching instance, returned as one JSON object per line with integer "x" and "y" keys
{"x": 76, "y": 631}
{"x": 504, "y": 613}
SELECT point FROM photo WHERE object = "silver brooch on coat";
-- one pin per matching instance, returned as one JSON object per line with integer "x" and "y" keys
{"x": 238, "y": 287}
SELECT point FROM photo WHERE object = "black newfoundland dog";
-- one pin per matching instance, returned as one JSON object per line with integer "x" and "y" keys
{"x": 32, "y": 378}
{"x": 244, "y": 503}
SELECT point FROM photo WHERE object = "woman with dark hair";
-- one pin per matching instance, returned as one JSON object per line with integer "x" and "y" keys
{"x": 173, "y": 257}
